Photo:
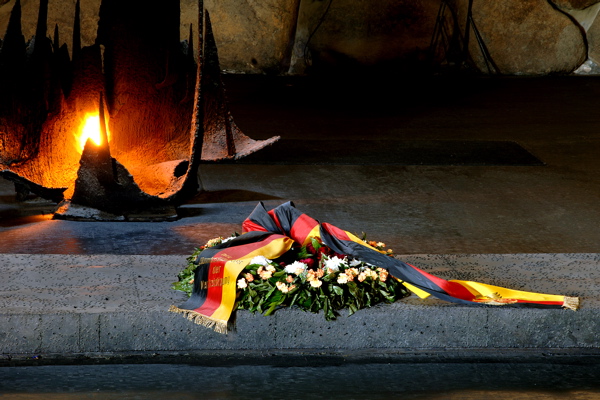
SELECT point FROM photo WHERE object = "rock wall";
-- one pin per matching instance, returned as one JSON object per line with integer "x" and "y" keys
{"x": 295, "y": 36}
{"x": 61, "y": 12}
{"x": 523, "y": 37}
{"x": 253, "y": 36}
{"x": 349, "y": 34}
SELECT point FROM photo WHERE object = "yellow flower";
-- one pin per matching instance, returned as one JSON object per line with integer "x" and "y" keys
{"x": 289, "y": 279}
{"x": 249, "y": 277}
{"x": 316, "y": 283}
{"x": 264, "y": 273}
{"x": 214, "y": 242}
{"x": 342, "y": 278}
{"x": 362, "y": 276}
{"x": 371, "y": 274}
{"x": 320, "y": 273}
{"x": 241, "y": 283}
{"x": 380, "y": 244}
{"x": 282, "y": 287}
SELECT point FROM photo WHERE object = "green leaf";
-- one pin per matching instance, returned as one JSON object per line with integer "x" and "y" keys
{"x": 352, "y": 309}
{"x": 295, "y": 298}
{"x": 337, "y": 290}
{"x": 303, "y": 253}
{"x": 315, "y": 242}
{"x": 353, "y": 288}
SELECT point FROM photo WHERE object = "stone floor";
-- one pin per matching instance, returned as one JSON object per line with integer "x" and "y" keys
{"x": 421, "y": 209}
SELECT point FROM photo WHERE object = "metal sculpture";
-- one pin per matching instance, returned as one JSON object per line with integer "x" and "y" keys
{"x": 160, "y": 111}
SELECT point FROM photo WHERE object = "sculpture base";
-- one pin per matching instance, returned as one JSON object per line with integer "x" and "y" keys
{"x": 75, "y": 212}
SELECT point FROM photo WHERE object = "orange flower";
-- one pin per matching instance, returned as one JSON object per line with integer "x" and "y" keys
{"x": 352, "y": 272}
{"x": 383, "y": 275}
{"x": 264, "y": 273}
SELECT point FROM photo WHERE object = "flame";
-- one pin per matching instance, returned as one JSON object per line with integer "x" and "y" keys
{"x": 90, "y": 129}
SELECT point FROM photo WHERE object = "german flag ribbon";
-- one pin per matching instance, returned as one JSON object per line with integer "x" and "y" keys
{"x": 272, "y": 233}
{"x": 215, "y": 280}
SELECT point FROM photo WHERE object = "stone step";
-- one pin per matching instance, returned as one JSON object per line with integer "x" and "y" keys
{"x": 108, "y": 306}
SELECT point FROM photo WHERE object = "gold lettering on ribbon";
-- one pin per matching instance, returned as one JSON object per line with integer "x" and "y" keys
{"x": 218, "y": 282}
{"x": 208, "y": 260}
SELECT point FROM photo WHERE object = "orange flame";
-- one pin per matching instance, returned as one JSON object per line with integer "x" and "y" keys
{"x": 90, "y": 129}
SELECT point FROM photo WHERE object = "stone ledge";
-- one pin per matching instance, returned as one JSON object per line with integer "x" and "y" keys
{"x": 65, "y": 307}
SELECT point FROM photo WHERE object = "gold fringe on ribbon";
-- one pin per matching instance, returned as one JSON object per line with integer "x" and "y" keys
{"x": 199, "y": 319}
{"x": 572, "y": 303}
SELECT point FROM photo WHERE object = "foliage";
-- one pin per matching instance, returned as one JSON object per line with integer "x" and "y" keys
{"x": 311, "y": 277}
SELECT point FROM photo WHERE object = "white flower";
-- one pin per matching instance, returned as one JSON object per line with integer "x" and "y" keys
{"x": 260, "y": 260}
{"x": 296, "y": 267}
{"x": 334, "y": 263}
{"x": 354, "y": 262}
{"x": 241, "y": 283}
